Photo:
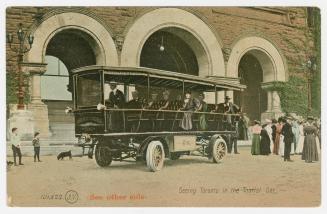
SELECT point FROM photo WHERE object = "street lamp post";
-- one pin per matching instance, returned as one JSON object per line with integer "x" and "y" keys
{"x": 20, "y": 49}
{"x": 311, "y": 67}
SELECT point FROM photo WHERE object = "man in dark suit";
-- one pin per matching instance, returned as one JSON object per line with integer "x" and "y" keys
{"x": 132, "y": 116}
{"x": 136, "y": 102}
{"x": 288, "y": 138}
{"x": 116, "y": 101}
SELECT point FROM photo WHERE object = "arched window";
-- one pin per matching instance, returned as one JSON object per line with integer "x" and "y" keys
{"x": 55, "y": 80}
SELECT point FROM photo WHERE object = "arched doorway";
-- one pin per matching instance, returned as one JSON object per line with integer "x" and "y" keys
{"x": 259, "y": 65}
{"x": 88, "y": 30}
{"x": 165, "y": 50}
{"x": 177, "y": 50}
{"x": 203, "y": 41}
{"x": 253, "y": 99}
{"x": 67, "y": 50}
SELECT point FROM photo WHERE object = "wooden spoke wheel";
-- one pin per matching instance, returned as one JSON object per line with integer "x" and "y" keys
{"x": 219, "y": 150}
{"x": 155, "y": 156}
{"x": 103, "y": 155}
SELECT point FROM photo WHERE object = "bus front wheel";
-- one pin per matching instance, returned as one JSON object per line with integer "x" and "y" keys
{"x": 219, "y": 150}
{"x": 103, "y": 155}
{"x": 155, "y": 156}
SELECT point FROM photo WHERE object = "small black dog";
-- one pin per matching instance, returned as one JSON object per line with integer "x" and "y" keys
{"x": 9, "y": 163}
{"x": 62, "y": 155}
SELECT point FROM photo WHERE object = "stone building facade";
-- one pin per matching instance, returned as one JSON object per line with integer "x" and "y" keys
{"x": 259, "y": 46}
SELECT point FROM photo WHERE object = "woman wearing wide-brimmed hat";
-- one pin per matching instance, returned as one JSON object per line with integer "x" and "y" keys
{"x": 310, "y": 150}
{"x": 265, "y": 138}
{"x": 299, "y": 147}
{"x": 256, "y": 130}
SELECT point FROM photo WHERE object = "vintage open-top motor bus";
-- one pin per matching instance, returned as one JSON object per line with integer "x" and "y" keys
{"x": 149, "y": 134}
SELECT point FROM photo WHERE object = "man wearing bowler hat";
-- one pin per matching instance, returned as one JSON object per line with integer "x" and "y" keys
{"x": 230, "y": 122}
{"x": 288, "y": 138}
{"x": 116, "y": 101}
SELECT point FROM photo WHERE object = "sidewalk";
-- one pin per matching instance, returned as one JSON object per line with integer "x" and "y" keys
{"x": 54, "y": 147}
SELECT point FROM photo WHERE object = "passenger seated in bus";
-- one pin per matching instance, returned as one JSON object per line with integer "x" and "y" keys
{"x": 135, "y": 102}
{"x": 163, "y": 105}
{"x": 133, "y": 117}
{"x": 164, "y": 123}
{"x": 116, "y": 101}
{"x": 228, "y": 108}
{"x": 202, "y": 107}
{"x": 151, "y": 116}
{"x": 190, "y": 105}
{"x": 153, "y": 103}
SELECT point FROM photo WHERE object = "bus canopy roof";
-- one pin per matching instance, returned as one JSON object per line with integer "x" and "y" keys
{"x": 162, "y": 78}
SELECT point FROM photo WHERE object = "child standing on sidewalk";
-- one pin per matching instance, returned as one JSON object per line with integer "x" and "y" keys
{"x": 36, "y": 144}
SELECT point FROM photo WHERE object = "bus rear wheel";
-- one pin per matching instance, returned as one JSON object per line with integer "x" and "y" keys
{"x": 103, "y": 155}
{"x": 155, "y": 156}
{"x": 219, "y": 150}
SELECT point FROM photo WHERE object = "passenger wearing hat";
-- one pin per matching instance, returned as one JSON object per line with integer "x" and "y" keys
{"x": 288, "y": 138}
{"x": 15, "y": 145}
{"x": 36, "y": 145}
{"x": 116, "y": 96}
{"x": 202, "y": 107}
{"x": 164, "y": 125}
{"x": 228, "y": 108}
{"x": 189, "y": 106}
{"x": 310, "y": 150}
{"x": 164, "y": 103}
{"x": 135, "y": 102}
{"x": 153, "y": 103}
{"x": 116, "y": 101}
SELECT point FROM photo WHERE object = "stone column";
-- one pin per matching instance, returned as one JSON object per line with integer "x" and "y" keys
{"x": 37, "y": 107}
{"x": 274, "y": 109}
{"x": 269, "y": 101}
{"x": 275, "y": 102}
{"x": 36, "y": 88}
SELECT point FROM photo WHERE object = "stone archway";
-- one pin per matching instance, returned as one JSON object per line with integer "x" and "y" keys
{"x": 273, "y": 65}
{"x": 97, "y": 36}
{"x": 184, "y": 24}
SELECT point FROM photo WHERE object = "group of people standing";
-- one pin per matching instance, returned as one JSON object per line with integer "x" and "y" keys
{"x": 285, "y": 137}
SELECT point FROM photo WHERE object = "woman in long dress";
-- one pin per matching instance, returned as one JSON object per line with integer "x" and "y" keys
{"x": 273, "y": 134}
{"x": 299, "y": 147}
{"x": 279, "y": 127}
{"x": 203, "y": 107}
{"x": 189, "y": 106}
{"x": 256, "y": 130}
{"x": 310, "y": 150}
{"x": 264, "y": 141}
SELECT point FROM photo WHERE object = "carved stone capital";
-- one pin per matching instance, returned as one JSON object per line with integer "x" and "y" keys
{"x": 33, "y": 68}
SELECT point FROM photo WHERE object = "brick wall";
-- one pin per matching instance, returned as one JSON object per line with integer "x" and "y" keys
{"x": 284, "y": 27}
